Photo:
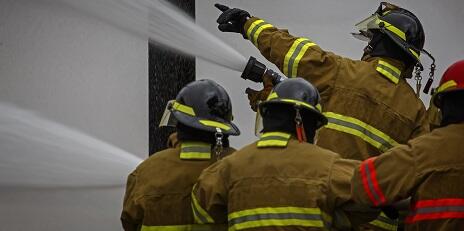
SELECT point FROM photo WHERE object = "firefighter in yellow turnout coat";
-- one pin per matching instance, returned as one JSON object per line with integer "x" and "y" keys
{"x": 158, "y": 191}
{"x": 282, "y": 181}
{"x": 369, "y": 105}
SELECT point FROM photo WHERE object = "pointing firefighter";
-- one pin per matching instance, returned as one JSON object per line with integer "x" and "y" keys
{"x": 369, "y": 105}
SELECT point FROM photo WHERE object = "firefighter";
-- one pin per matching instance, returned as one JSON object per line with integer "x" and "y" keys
{"x": 369, "y": 105}
{"x": 158, "y": 191}
{"x": 429, "y": 168}
{"x": 283, "y": 181}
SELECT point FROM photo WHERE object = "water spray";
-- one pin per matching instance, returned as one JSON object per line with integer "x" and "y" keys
{"x": 38, "y": 153}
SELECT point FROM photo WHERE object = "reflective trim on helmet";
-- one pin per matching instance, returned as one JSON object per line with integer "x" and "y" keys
{"x": 413, "y": 52}
{"x": 255, "y": 29}
{"x": 273, "y": 139}
{"x": 392, "y": 28}
{"x": 389, "y": 71}
{"x": 275, "y": 216}
{"x": 294, "y": 55}
{"x": 384, "y": 222}
{"x": 362, "y": 130}
{"x": 298, "y": 103}
{"x": 183, "y": 108}
{"x": 195, "y": 150}
{"x": 273, "y": 95}
{"x": 446, "y": 85}
{"x": 215, "y": 124}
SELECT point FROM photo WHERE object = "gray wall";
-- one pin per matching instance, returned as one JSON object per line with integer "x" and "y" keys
{"x": 86, "y": 74}
{"x": 83, "y": 73}
{"x": 328, "y": 23}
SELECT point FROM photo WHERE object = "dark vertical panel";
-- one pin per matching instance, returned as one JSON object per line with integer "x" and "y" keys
{"x": 168, "y": 73}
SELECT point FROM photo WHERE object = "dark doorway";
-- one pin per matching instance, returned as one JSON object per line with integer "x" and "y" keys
{"x": 168, "y": 72}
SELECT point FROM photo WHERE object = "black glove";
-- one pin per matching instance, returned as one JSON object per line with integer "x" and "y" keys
{"x": 232, "y": 20}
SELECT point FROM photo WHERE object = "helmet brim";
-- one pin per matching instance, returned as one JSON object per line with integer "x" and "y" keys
{"x": 438, "y": 97}
{"x": 205, "y": 124}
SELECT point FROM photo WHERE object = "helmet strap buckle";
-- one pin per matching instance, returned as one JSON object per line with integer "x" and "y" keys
{"x": 418, "y": 78}
{"x": 431, "y": 77}
{"x": 218, "y": 148}
{"x": 300, "y": 132}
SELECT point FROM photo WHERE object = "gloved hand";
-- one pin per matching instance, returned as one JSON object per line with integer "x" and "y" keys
{"x": 254, "y": 96}
{"x": 232, "y": 20}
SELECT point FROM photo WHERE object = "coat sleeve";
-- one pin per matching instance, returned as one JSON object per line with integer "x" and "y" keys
{"x": 387, "y": 178}
{"x": 209, "y": 203}
{"x": 347, "y": 213}
{"x": 294, "y": 56}
{"x": 131, "y": 216}
{"x": 424, "y": 124}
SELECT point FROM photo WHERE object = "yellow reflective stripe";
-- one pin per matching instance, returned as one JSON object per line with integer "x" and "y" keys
{"x": 384, "y": 222}
{"x": 255, "y": 30}
{"x": 273, "y": 95}
{"x": 447, "y": 85}
{"x": 389, "y": 71}
{"x": 183, "y": 108}
{"x": 279, "y": 216}
{"x": 195, "y": 155}
{"x": 252, "y": 27}
{"x": 358, "y": 128}
{"x": 199, "y": 214}
{"x": 393, "y": 68}
{"x": 273, "y": 139}
{"x": 258, "y": 32}
{"x": 179, "y": 228}
{"x": 294, "y": 55}
{"x": 195, "y": 150}
{"x": 272, "y": 143}
{"x": 298, "y": 103}
{"x": 281, "y": 134}
{"x": 215, "y": 124}
{"x": 414, "y": 53}
{"x": 298, "y": 58}
{"x": 327, "y": 220}
{"x": 393, "y": 29}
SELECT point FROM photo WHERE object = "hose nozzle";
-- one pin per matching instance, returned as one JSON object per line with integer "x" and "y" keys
{"x": 256, "y": 70}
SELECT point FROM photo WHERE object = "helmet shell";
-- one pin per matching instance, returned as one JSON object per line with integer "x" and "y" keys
{"x": 452, "y": 81}
{"x": 299, "y": 93}
{"x": 209, "y": 107}
{"x": 405, "y": 29}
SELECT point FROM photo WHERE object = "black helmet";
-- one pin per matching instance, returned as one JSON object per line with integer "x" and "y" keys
{"x": 299, "y": 93}
{"x": 400, "y": 26}
{"x": 204, "y": 105}
{"x": 405, "y": 29}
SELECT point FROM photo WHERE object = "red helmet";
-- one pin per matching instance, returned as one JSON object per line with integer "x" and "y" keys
{"x": 452, "y": 81}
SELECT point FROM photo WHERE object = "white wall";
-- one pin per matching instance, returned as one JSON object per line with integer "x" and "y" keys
{"x": 328, "y": 23}
{"x": 83, "y": 73}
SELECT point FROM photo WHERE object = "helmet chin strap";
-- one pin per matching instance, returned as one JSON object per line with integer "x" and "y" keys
{"x": 300, "y": 131}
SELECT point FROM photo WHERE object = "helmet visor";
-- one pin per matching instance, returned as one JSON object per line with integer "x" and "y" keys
{"x": 168, "y": 119}
{"x": 365, "y": 25}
